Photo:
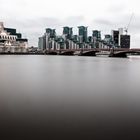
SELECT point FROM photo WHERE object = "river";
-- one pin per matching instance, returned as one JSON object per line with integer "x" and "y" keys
{"x": 69, "y": 97}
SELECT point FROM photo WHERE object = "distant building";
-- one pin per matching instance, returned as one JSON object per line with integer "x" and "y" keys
{"x": 108, "y": 38}
{"x": 125, "y": 41}
{"x": 119, "y": 39}
{"x": 51, "y": 32}
{"x": 75, "y": 39}
{"x": 96, "y": 34}
{"x": 90, "y": 39}
{"x": 115, "y": 37}
{"x": 107, "y": 42}
{"x": 51, "y": 41}
{"x": 68, "y": 32}
{"x": 96, "y": 38}
{"x": 120, "y": 33}
{"x": 83, "y": 33}
{"x": 47, "y": 41}
{"x": 10, "y": 40}
{"x": 41, "y": 43}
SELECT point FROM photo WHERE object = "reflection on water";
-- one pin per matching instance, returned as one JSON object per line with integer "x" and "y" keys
{"x": 64, "y": 97}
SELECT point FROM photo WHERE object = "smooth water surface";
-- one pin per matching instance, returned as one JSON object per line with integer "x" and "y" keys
{"x": 69, "y": 97}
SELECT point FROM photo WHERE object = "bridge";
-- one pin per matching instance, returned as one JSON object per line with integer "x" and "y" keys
{"x": 113, "y": 52}
{"x": 123, "y": 52}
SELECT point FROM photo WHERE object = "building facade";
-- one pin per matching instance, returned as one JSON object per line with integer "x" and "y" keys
{"x": 119, "y": 39}
{"x": 115, "y": 38}
{"x": 11, "y": 41}
{"x": 83, "y": 33}
{"x": 125, "y": 41}
{"x": 51, "y": 41}
{"x": 67, "y": 31}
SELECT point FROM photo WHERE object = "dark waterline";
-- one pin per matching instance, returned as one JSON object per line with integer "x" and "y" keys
{"x": 69, "y": 97}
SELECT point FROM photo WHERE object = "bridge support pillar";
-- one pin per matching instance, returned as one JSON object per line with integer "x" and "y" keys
{"x": 89, "y": 53}
{"x": 118, "y": 54}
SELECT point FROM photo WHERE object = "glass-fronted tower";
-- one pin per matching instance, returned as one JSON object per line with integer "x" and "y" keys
{"x": 125, "y": 41}
{"x": 96, "y": 34}
{"x": 115, "y": 37}
{"x": 83, "y": 33}
{"x": 51, "y": 32}
{"x": 68, "y": 32}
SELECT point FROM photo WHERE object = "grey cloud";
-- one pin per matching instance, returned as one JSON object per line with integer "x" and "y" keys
{"x": 33, "y": 28}
{"x": 73, "y": 21}
{"x": 117, "y": 8}
{"x": 117, "y": 22}
{"x": 106, "y": 25}
{"x": 134, "y": 25}
{"x": 104, "y": 22}
{"x": 14, "y": 2}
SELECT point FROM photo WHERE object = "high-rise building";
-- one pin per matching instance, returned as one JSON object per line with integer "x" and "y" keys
{"x": 115, "y": 37}
{"x": 41, "y": 43}
{"x": 96, "y": 34}
{"x": 120, "y": 40}
{"x": 107, "y": 42}
{"x": 67, "y": 40}
{"x": 83, "y": 33}
{"x": 68, "y": 32}
{"x": 90, "y": 39}
{"x": 120, "y": 33}
{"x": 75, "y": 38}
{"x": 96, "y": 38}
{"x": 71, "y": 32}
{"x": 125, "y": 41}
{"x": 51, "y": 32}
{"x": 108, "y": 38}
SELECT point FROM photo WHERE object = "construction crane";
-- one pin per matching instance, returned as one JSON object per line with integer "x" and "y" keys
{"x": 126, "y": 28}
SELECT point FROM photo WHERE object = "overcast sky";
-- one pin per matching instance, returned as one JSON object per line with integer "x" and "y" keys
{"x": 31, "y": 17}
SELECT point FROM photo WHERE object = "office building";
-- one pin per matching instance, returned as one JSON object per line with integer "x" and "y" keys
{"x": 10, "y": 40}
{"x": 67, "y": 31}
{"x": 125, "y": 41}
{"x": 51, "y": 32}
{"x": 115, "y": 37}
{"x": 51, "y": 41}
{"x": 96, "y": 34}
{"x": 83, "y": 33}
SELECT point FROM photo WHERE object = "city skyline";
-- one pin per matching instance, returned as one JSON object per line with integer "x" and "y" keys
{"x": 51, "y": 41}
{"x": 33, "y": 16}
